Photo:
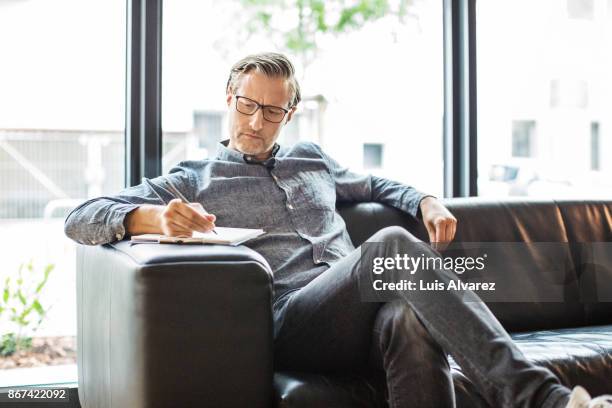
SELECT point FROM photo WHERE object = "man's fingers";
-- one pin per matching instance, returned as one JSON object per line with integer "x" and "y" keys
{"x": 453, "y": 231}
{"x": 431, "y": 231}
{"x": 440, "y": 231}
{"x": 443, "y": 231}
{"x": 448, "y": 232}
{"x": 193, "y": 218}
{"x": 200, "y": 210}
{"x": 182, "y": 219}
{"x": 198, "y": 207}
{"x": 175, "y": 229}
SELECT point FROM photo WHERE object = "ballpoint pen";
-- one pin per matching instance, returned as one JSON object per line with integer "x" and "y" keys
{"x": 173, "y": 190}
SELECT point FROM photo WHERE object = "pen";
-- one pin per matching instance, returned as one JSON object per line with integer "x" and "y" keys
{"x": 175, "y": 192}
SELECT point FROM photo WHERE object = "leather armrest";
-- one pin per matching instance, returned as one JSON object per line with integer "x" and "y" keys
{"x": 173, "y": 325}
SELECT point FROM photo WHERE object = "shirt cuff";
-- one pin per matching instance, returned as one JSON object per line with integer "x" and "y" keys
{"x": 117, "y": 228}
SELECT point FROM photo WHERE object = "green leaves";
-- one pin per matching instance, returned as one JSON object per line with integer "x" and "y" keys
{"x": 10, "y": 343}
{"x": 364, "y": 11}
{"x": 38, "y": 307}
{"x": 6, "y": 293}
{"x": 301, "y": 22}
{"x": 20, "y": 297}
{"x": 46, "y": 273}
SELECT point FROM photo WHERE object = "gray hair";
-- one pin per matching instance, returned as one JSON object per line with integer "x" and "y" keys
{"x": 271, "y": 64}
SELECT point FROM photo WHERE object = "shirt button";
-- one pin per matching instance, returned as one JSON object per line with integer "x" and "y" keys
{"x": 118, "y": 236}
{"x": 93, "y": 242}
{"x": 275, "y": 178}
{"x": 289, "y": 206}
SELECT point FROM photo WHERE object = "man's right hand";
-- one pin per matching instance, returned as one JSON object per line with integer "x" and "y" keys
{"x": 175, "y": 219}
{"x": 180, "y": 219}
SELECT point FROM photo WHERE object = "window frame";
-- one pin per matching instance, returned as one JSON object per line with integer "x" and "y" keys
{"x": 143, "y": 128}
{"x": 144, "y": 93}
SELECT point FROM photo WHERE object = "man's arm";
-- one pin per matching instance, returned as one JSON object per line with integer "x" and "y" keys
{"x": 138, "y": 210}
{"x": 439, "y": 222}
{"x": 353, "y": 187}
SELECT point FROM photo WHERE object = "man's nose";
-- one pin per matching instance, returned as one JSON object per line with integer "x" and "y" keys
{"x": 257, "y": 119}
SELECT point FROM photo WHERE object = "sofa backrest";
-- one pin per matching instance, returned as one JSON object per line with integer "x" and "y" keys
{"x": 576, "y": 223}
{"x": 589, "y": 229}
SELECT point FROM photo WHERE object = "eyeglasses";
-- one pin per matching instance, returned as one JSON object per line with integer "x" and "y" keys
{"x": 271, "y": 113}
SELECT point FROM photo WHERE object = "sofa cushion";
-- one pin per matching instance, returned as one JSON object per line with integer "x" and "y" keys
{"x": 300, "y": 389}
{"x": 577, "y": 356}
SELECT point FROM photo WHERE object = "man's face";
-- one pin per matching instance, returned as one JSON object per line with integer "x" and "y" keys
{"x": 252, "y": 134}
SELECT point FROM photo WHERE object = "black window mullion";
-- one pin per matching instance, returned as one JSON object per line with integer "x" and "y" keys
{"x": 472, "y": 177}
{"x": 460, "y": 120}
{"x": 143, "y": 90}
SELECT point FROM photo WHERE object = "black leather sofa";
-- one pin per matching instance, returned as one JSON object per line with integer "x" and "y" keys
{"x": 191, "y": 326}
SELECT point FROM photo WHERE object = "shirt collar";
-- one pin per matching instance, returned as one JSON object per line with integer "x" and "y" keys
{"x": 226, "y": 154}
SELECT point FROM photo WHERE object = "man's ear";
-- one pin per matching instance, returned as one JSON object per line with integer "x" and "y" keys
{"x": 228, "y": 97}
{"x": 290, "y": 114}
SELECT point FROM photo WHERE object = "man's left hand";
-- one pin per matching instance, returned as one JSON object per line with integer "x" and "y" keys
{"x": 440, "y": 223}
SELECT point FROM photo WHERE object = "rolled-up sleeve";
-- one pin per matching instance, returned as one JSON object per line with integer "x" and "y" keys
{"x": 354, "y": 187}
{"x": 101, "y": 220}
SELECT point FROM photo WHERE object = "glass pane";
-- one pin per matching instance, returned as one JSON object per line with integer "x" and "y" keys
{"x": 372, "y": 80}
{"x": 61, "y": 142}
{"x": 544, "y": 93}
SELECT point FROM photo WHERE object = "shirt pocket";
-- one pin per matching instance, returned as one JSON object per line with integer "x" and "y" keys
{"x": 314, "y": 189}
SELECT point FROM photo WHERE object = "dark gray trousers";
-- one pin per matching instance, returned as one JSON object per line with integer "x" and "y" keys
{"x": 326, "y": 327}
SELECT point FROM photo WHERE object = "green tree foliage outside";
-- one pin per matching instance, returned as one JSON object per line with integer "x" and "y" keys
{"x": 299, "y": 23}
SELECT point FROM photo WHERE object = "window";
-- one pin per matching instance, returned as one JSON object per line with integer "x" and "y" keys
{"x": 580, "y": 9}
{"x": 569, "y": 94}
{"x": 379, "y": 83}
{"x": 61, "y": 142}
{"x": 372, "y": 155}
{"x": 595, "y": 146}
{"x": 523, "y": 136}
{"x": 538, "y": 89}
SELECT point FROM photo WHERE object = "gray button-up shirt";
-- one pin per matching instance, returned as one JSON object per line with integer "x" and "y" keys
{"x": 293, "y": 198}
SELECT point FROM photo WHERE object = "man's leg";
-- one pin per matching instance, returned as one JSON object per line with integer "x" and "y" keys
{"x": 416, "y": 368}
{"x": 327, "y": 327}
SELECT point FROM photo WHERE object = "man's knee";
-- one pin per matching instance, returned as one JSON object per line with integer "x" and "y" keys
{"x": 396, "y": 233}
{"x": 397, "y": 315}
{"x": 397, "y": 324}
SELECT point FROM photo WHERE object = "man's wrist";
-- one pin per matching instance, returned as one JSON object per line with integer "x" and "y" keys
{"x": 427, "y": 200}
{"x": 424, "y": 203}
{"x": 146, "y": 219}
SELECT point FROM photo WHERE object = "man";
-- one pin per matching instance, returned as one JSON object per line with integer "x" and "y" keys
{"x": 321, "y": 324}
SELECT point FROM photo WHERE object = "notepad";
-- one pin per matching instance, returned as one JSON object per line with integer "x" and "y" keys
{"x": 224, "y": 236}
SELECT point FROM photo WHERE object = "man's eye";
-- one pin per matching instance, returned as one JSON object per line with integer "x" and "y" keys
{"x": 275, "y": 111}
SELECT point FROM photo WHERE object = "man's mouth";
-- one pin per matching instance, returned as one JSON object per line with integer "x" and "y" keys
{"x": 251, "y": 136}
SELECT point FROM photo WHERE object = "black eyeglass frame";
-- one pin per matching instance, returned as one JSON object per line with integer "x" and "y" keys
{"x": 260, "y": 106}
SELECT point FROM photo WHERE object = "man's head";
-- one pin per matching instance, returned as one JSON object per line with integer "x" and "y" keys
{"x": 268, "y": 80}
